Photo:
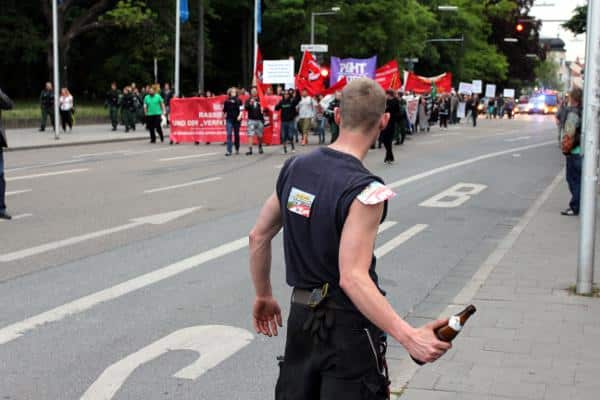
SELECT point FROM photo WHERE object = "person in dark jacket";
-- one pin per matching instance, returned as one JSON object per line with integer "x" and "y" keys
{"x": 128, "y": 108}
{"x": 47, "y": 106}
{"x": 288, "y": 114}
{"x": 167, "y": 94}
{"x": 392, "y": 107}
{"x": 113, "y": 98}
{"x": 5, "y": 104}
{"x": 233, "y": 117}
{"x": 256, "y": 121}
{"x": 330, "y": 114}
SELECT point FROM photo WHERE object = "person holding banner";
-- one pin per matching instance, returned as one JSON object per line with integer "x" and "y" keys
{"x": 233, "y": 118}
{"x": 256, "y": 121}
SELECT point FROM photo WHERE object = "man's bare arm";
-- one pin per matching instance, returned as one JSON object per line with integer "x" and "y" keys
{"x": 356, "y": 250}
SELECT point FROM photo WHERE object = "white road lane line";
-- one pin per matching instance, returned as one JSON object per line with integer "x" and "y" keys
{"x": 157, "y": 219}
{"x": 468, "y": 161}
{"x": 385, "y": 226}
{"x": 16, "y": 330}
{"x": 15, "y": 192}
{"x": 430, "y": 141}
{"x": 104, "y": 153}
{"x": 82, "y": 304}
{"x": 45, "y": 174}
{"x": 398, "y": 240}
{"x": 447, "y": 134}
{"x": 192, "y": 183}
{"x": 53, "y": 164}
{"x": 187, "y": 157}
{"x": 21, "y": 216}
{"x": 517, "y": 139}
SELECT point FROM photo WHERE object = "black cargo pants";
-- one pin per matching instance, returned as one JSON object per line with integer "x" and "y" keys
{"x": 348, "y": 365}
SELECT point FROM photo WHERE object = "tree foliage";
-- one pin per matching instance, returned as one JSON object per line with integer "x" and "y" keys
{"x": 578, "y": 22}
{"x": 546, "y": 73}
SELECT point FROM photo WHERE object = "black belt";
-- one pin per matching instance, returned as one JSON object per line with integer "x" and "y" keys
{"x": 314, "y": 298}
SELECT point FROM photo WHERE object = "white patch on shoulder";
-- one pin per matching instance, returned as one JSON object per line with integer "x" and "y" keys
{"x": 375, "y": 193}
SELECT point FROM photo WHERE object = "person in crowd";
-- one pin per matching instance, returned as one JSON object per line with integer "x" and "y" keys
{"x": 392, "y": 107}
{"x": 154, "y": 108}
{"x": 113, "y": 97}
{"x": 209, "y": 94}
{"x": 454, "y": 101}
{"x": 167, "y": 94}
{"x": 279, "y": 90}
{"x": 295, "y": 96}
{"x": 243, "y": 92}
{"x": 138, "y": 101}
{"x": 330, "y": 114}
{"x": 490, "y": 108}
{"x": 509, "y": 106}
{"x": 47, "y": 106}
{"x": 269, "y": 91}
{"x": 403, "y": 126}
{"x": 561, "y": 118}
{"x": 474, "y": 111}
{"x": 256, "y": 121}
{"x": 571, "y": 148}
{"x": 288, "y": 114}
{"x": 5, "y": 104}
{"x": 128, "y": 108}
{"x": 233, "y": 117}
{"x": 444, "y": 111}
{"x": 499, "y": 107}
{"x": 422, "y": 115}
{"x": 306, "y": 112}
{"x": 320, "y": 119}
{"x": 65, "y": 102}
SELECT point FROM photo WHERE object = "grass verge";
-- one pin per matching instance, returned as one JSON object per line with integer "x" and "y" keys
{"x": 30, "y": 109}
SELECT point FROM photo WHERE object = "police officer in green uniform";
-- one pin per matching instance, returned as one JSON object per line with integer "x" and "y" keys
{"x": 330, "y": 114}
{"x": 128, "y": 109}
{"x": 112, "y": 102}
{"x": 47, "y": 106}
{"x": 330, "y": 207}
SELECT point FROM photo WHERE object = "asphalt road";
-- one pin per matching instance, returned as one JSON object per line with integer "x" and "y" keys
{"x": 125, "y": 273}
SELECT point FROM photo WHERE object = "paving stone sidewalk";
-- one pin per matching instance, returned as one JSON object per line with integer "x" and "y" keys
{"x": 530, "y": 338}
{"x": 31, "y": 138}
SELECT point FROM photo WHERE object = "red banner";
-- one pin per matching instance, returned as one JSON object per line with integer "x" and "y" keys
{"x": 198, "y": 119}
{"x": 309, "y": 75}
{"x": 387, "y": 76}
{"x": 422, "y": 85}
{"x": 336, "y": 88}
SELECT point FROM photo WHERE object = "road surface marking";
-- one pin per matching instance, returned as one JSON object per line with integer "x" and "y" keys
{"x": 85, "y": 303}
{"x": 385, "y": 226}
{"x": 45, "y": 174}
{"x": 17, "y": 217}
{"x": 446, "y": 134}
{"x": 430, "y": 141}
{"x": 157, "y": 219}
{"x": 14, "y": 192}
{"x": 104, "y": 153}
{"x": 213, "y": 343}
{"x": 134, "y": 152}
{"x": 182, "y": 185}
{"x": 18, "y": 329}
{"x": 468, "y": 161}
{"x": 454, "y": 196}
{"x": 53, "y": 164}
{"x": 187, "y": 157}
{"x": 517, "y": 139}
{"x": 398, "y": 240}
{"x": 279, "y": 166}
{"x": 516, "y": 155}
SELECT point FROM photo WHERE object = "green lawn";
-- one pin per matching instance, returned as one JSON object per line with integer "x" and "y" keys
{"x": 30, "y": 109}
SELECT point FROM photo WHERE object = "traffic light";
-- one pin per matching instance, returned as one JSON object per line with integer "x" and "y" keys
{"x": 520, "y": 27}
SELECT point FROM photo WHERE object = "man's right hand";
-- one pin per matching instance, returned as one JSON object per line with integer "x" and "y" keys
{"x": 424, "y": 345}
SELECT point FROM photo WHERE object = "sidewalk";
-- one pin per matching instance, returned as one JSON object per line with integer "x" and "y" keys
{"x": 31, "y": 138}
{"x": 530, "y": 338}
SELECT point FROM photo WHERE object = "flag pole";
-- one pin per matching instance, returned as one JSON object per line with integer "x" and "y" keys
{"x": 177, "y": 44}
{"x": 56, "y": 66}
{"x": 256, "y": 16}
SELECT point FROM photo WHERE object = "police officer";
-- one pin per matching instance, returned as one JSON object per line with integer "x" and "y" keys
{"x": 47, "y": 105}
{"x": 330, "y": 114}
{"x": 330, "y": 207}
{"x": 128, "y": 108}
{"x": 113, "y": 96}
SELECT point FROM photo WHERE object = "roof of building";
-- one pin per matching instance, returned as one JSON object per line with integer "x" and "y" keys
{"x": 553, "y": 44}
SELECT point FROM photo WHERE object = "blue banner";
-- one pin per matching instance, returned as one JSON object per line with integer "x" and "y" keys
{"x": 258, "y": 16}
{"x": 351, "y": 68}
{"x": 184, "y": 11}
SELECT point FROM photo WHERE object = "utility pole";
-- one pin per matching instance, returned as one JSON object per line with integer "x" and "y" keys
{"x": 255, "y": 40}
{"x": 177, "y": 44}
{"x": 589, "y": 131}
{"x": 56, "y": 67}
{"x": 201, "y": 46}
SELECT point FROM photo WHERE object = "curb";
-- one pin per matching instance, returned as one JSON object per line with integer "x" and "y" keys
{"x": 70, "y": 144}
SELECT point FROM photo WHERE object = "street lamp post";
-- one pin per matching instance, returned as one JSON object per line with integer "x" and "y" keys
{"x": 56, "y": 64}
{"x": 334, "y": 10}
{"x": 177, "y": 44}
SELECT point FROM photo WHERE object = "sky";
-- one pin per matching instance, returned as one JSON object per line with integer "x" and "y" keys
{"x": 560, "y": 9}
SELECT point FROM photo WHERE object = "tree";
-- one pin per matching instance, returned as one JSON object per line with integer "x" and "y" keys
{"x": 546, "y": 73}
{"x": 578, "y": 22}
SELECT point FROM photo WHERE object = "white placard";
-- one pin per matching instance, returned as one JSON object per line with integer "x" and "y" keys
{"x": 461, "y": 111}
{"x": 490, "y": 90}
{"x": 465, "y": 88}
{"x": 278, "y": 71}
{"x": 477, "y": 87}
{"x": 509, "y": 93}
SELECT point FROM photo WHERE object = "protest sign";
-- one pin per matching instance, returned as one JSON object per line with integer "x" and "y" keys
{"x": 461, "y": 110}
{"x": 477, "y": 87}
{"x": 351, "y": 68}
{"x": 465, "y": 88}
{"x": 509, "y": 93}
{"x": 490, "y": 90}
{"x": 278, "y": 71}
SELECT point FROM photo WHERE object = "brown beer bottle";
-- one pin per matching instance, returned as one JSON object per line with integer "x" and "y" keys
{"x": 448, "y": 332}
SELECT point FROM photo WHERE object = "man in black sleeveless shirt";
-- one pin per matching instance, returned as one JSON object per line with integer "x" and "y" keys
{"x": 330, "y": 207}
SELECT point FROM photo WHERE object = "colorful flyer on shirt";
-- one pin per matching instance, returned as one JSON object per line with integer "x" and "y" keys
{"x": 300, "y": 202}
{"x": 375, "y": 193}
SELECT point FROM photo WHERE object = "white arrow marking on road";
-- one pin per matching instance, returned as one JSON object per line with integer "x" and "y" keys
{"x": 153, "y": 220}
{"x": 187, "y": 157}
{"x": 69, "y": 171}
{"x": 468, "y": 161}
{"x": 518, "y": 139}
{"x": 398, "y": 240}
{"x": 213, "y": 343}
{"x": 192, "y": 183}
{"x": 17, "y": 192}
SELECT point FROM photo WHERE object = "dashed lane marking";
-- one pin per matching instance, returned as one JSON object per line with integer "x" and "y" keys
{"x": 183, "y": 185}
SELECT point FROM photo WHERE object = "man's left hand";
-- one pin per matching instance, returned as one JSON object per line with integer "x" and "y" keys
{"x": 266, "y": 315}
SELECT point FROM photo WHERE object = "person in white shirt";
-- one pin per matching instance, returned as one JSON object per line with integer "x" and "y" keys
{"x": 66, "y": 109}
{"x": 306, "y": 112}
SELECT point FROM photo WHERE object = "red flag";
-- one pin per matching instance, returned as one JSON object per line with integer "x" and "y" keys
{"x": 258, "y": 74}
{"x": 309, "y": 75}
{"x": 335, "y": 88}
{"x": 422, "y": 85}
{"x": 387, "y": 74}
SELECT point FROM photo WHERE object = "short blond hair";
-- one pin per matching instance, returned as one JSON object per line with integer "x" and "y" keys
{"x": 362, "y": 105}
